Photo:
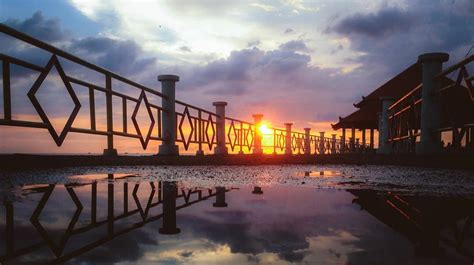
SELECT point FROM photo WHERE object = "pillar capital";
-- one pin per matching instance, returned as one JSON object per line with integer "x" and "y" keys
{"x": 219, "y": 103}
{"x": 433, "y": 57}
{"x": 257, "y": 116}
{"x": 307, "y": 129}
{"x": 288, "y": 124}
{"x": 173, "y": 78}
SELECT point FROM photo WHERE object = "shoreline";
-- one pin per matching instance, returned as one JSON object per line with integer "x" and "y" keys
{"x": 16, "y": 162}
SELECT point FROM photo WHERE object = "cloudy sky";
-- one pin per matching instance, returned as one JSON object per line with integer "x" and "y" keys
{"x": 295, "y": 61}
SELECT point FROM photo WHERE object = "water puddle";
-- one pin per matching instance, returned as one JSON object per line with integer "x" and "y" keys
{"x": 122, "y": 218}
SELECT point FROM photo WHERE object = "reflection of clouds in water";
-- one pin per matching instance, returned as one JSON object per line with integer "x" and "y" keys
{"x": 327, "y": 249}
{"x": 331, "y": 249}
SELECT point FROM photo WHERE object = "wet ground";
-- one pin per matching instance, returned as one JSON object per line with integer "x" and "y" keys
{"x": 238, "y": 215}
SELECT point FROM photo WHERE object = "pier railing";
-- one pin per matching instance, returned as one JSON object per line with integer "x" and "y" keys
{"x": 453, "y": 99}
{"x": 171, "y": 122}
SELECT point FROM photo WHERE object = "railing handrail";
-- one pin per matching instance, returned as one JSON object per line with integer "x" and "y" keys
{"x": 50, "y": 48}
{"x": 455, "y": 66}
{"x": 405, "y": 97}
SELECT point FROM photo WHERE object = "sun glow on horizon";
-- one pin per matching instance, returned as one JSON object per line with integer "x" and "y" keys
{"x": 264, "y": 129}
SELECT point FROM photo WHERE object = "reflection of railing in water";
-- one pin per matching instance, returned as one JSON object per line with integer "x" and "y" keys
{"x": 175, "y": 121}
{"x": 167, "y": 194}
{"x": 423, "y": 222}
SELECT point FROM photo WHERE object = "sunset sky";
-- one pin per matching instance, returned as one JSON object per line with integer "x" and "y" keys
{"x": 294, "y": 61}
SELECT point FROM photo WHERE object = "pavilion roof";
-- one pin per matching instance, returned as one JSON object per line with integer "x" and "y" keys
{"x": 364, "y": 118}
{"x": 366, "y": 115}
{"x": 395, "y": 87}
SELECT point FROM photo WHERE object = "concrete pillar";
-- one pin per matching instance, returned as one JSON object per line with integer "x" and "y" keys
{"x": 333, "y": 144}
{"x": 168, "y": 146}
{"x": 430, "y": 141}
{"x": 288, "y": 150}
{"x": 307, "y": 141}
{"x": 168, "y": 226}
{"x": 384, "y": 131}
{"x": 220, "y": 197}
{"x": 321, "y": 143}
{"x": 220, "y": 149}
{"x": 257, "y": 136}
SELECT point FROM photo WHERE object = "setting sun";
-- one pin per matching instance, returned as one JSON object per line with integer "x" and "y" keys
{"x": 264, "y": 129}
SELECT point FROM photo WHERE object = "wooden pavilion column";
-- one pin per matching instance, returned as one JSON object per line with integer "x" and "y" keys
{"x": 372, "y": 138}
{"x": 363, "y": 137}
{"x": 343, "y": 139}
{"x": 353, "y": 132}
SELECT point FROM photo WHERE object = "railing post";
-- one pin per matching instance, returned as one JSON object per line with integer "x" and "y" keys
{"x": 168, "y": 146}
{"x": 257, "y": 136}
{"x": 241, "y": 139}
{"x": 384, "y": 145}
{"x": 220, "y": 149}
{"x": 7, "y": 112}
{"x": 333, "y": 144}
{"x": 307, "y": 141}
{"x": 430, "y": 140}
{"x": 200, "y": 137}
{"x": 110, "y": 151}
{"x": 321, "y": 143}
{"x": 288, "y": 150}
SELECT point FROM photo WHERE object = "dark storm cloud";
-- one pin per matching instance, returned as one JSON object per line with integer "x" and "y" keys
{"x": 376, "y": 25}
{"x": 121, "y": 56}
{"x": 391, "y": 39}
{"x": 295, "y": 45}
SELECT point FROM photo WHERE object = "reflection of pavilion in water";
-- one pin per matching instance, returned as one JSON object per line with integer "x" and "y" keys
{"x": 433, "y": 224}
{"x": 166, "y": 192}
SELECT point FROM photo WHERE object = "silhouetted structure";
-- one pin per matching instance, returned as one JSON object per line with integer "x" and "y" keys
{"x": 175, "y": 121}
{"x": 413, "y": 109}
